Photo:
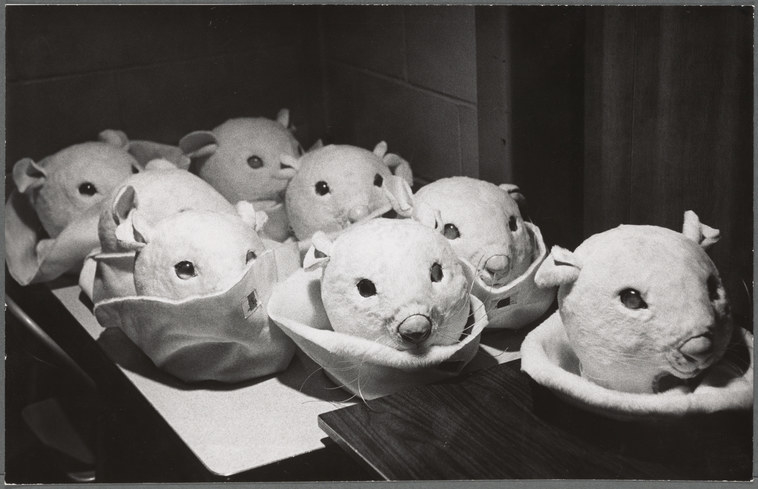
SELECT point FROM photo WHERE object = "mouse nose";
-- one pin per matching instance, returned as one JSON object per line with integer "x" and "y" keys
{"x": 415, "y": 329}
{"x": 357, "y": 213}
{"x": 698, "y": 348}
{"x": 497, "y": 263}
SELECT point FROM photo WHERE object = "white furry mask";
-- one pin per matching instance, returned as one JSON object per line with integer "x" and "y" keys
{"x": 483, "y": 223}
{"x": 642, "y": 305}
{"x": 191, "y": 253}
{"x": 395, "y": 282}
{"x": 336, "y": 186}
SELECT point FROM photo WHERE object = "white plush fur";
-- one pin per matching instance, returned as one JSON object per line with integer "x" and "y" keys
{"x": 349, "y": 172}
{"x": 216, "y": 245}
{"x": 520, "y": 301}
{"x": 363, "y": 367}
{"x": 481, "y": 211}
{"x": 220, "y": 157}
{"x": 396, "y": 256}
{"x": 159, "y": 192}
{"x": 224, "y": 336}
{"x": 547, "y": 356}
{"x": 53, "y": 184}
{"x": 631, "y": 349}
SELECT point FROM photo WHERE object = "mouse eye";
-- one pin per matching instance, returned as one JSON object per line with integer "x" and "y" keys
{"x": 87, "y": 189}
{"x": 185, "y": 270}
{"x": 451, "y": 231}
{"x": 322, "y": 188}
{"x": 250, "y": 256}
{"x": 255, "y": 162}
{"x": 366, "y": 287}
{"x": 378, "y": 180}
{"x": 513, "y": 224}
{"x": 632, "y": 299}
{"x": 436, "y": 272}
{"x": 713, "y": 288}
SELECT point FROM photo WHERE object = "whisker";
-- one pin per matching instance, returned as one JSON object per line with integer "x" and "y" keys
{"x": 308, "y": 377}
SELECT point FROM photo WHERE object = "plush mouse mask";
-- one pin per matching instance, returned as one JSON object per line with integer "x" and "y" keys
{"x": 395, "y": 282}
{"x": 483, "y": 223}
{"x": 51, "y": 216}
{"x": 191, "y": 253}
{"x": 241, "y": 158}
{"x": 642, "y": 305}
{"x": 383, "y": 307}
{"x": 62, "y": 186}
{"x": 338, "y": 185}
{"x": 203, "y": 280}
{"x": 158, "y": 192}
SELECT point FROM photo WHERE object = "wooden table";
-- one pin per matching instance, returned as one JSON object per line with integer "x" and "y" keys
{"x": 498, "y": 424}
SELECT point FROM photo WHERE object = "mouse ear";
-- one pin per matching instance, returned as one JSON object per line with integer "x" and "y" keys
{"x": 28, "y": 175}
{"x": 698, "y": 232}
{"x": 428, "y": 216}
{"x": 160, "y": 164}
{"x": 124, "y": 203}
{"x": 380, "y": 149}
{"x": 319, "y": 253}
{"x": 514, "y": 191}
{"x": 289, "y": 166}
{"x": 114, "y": 138}
{"x": 560, "y": 267}
{"x": 253, "y": 218}
{"x": 134, "y": 232}
{"x": 317, "y": 145}
{"x": 283, "y": 117}
{"x": 198, "y": 144}
{"x": 397, "y": 165}
{"x": 399, "y": 193}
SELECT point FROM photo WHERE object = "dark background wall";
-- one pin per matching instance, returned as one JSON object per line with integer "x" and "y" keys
{"x": 156, "y": 72}
{"x": 669, "y": 127}
{"x": 407, "y": 75}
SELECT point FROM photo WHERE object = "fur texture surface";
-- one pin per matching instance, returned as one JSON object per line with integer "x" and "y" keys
{"x": 641, "y": 304}
{"x": 191, "y": 253}
{"x": 158, "y": 192}
{"x": 548, "y": 357}
{"x": 63, "y": 185}
{"x": 520, "y": 301}
{"x": 338, "y": 185}
{"x": 363, "y": 367}
{"x": 395, "y": 282}
{"x": 241, "y": 158}
{"x": 483, "y": 223}
{"x": 223, "y": 336}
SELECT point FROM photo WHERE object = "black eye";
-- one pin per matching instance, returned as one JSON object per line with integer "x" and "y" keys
{"x": 366, "y": 287}
{"x": 185, "y": 270}
{"x": 250, "y": 256}
{"x": 632, "y": 299}
{"x": 513, "y": 224}
{"x": 436, "y": 272}
{"x": 378, "y": 180}
{"x": 87, "y": 189}
{"x": 451, "y": 232}
{"x": 322, "y": 188}
{"x": 713, "y": 288}
{"x": 255, "y": 162}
